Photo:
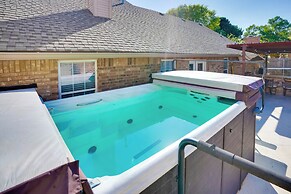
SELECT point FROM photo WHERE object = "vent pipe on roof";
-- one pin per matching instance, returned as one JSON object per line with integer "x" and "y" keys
{"x": 252, "y": 39}
{"x": 121, "y": 2}
{"x": 100, "y": 8}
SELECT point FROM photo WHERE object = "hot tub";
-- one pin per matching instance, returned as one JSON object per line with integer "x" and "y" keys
{"x": 127, "y": 139}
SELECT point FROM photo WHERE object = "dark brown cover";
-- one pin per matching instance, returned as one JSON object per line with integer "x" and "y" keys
{"x": 250, "y": 98}
{"x": 18, "y": 87}
{"x": 64, "y": 179}
{"x": 253, "y": 86}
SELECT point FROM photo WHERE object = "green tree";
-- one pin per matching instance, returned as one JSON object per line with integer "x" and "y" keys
{"x": 252, "y": 30}
{"x": 277, "y": 29}
{"x": 197, "y": 13}
{"x": 229, "y": 30}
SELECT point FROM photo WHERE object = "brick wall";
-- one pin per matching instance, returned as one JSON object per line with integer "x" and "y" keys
{"x": 111, "y": 73}
{"x": 216, "y": 66}
{"x": 123, "y": 72}
{"x": 211, "y": 64}
{"x": 182, "y": 65}
{"x": 42, "y": 72}
{"x": 251, "y": 68}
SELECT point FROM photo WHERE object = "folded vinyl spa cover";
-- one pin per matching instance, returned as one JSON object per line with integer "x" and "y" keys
{"x": 213, "y": 80}
{"x": 243, "y": 88}
{"x": 29, "y": 142}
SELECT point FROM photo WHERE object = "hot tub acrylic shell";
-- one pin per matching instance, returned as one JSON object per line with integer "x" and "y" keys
{"x": 141, "y": 176}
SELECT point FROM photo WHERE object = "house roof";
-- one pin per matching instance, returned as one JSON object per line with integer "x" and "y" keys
{"x": 68, "y": 26}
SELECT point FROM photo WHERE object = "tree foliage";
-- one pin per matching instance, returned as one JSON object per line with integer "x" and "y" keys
{"x": 277, "y": 29}
{"x": 197, "y": 13}
{"x": 229, "y": 30}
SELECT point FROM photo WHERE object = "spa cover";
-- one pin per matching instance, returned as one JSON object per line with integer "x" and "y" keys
{"x": 223, "y": 81}
{"x": 29, "y": 142}
{"x": 243, "y": 88}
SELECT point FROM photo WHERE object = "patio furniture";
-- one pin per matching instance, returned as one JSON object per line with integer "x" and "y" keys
{"x": 286, "y": 85}
{"x": 271, "y": 85}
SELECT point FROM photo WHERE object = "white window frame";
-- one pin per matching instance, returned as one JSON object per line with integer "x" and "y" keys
{"x": 75, "y": 61}
{"x": 195, "y": 65}
{"x": 172, "y": 60}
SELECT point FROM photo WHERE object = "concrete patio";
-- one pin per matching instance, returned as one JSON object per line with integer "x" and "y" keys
{"x": 273, "y": 144}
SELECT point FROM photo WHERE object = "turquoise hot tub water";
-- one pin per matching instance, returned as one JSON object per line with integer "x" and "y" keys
{"x": 110, "y": 137}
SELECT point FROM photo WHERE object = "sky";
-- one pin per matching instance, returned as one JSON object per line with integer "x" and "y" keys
{"x": 240, "y": 12}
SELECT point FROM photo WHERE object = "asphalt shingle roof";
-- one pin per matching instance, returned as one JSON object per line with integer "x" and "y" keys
{"x": 67, "y": 25}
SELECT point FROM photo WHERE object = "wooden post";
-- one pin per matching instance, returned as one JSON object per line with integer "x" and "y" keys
{"x": 244, "y": 47}
{"x": 266, "y": 65}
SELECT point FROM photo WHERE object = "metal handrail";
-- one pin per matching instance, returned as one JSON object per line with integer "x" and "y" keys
{"x": 232, "y": 159}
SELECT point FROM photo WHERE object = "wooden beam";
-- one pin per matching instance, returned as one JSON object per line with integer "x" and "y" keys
{"x": 244, "y": 47}
{"x": 266, "y": 64}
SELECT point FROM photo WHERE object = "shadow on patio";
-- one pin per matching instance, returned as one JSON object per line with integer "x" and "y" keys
{"x": 277, "y": 113}
{"x": 273, "y": 142}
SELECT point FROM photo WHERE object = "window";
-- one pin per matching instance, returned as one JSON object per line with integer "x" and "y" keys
{"x": 76, "y": 78}
{"x": 168, "y": 65}
{"x": 197, "y": 65}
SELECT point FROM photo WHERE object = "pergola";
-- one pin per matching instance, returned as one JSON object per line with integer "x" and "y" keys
{"x": 261, "y": 48}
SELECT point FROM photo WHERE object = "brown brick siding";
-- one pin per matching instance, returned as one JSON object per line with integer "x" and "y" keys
{"x": 42, "y": 72}
{"x": 123, "y": 72}
{"x": 215, "y": 66}
{"x": 182, "y": 65}
{"x": 236, "y": 68}
{"x": 111, "y": 73}
{"x": 211, "y": 64}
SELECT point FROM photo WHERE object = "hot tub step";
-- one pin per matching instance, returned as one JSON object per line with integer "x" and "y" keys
{"x": 147, "y": 149}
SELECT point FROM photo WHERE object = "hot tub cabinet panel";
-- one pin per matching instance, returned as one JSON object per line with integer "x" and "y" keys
{"x": 248, "y": 137}
{"x": 206, "y": 174}
{"x": 166, "y": 184}
{"x": 203, "y": 171}
{"x": 232, "y": 143}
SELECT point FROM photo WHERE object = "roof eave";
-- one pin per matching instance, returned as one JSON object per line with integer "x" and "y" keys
{"x": 95, "y": 55}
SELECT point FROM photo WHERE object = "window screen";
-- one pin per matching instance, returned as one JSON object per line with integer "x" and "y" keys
{"x": 199, "y": 66}
{"x": 167, "y": 66}
{"x": 76, "y": 78}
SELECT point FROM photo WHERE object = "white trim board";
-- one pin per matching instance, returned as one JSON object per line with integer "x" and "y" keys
{"x": 96, "y": 55}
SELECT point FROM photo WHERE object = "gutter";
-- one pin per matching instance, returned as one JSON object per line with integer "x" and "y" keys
{"x": 95, "y": 55}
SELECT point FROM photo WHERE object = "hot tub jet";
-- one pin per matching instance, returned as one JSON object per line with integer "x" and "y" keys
{"x": 92, "y": 149}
